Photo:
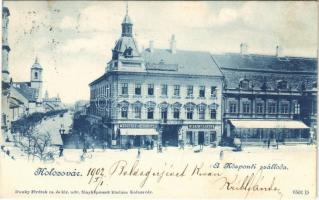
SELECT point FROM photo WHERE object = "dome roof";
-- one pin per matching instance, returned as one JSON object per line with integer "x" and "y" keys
{"x": 125, "y": 43}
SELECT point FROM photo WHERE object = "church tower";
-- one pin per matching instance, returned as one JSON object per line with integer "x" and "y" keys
{"x": 125, "y": 54}
{"x": 36, "y": 78}
{"x": 5, "y": 45}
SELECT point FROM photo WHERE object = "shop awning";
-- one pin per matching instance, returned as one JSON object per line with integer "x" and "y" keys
{"x": 136, "y": 131}
{"x": 285, "y": 124}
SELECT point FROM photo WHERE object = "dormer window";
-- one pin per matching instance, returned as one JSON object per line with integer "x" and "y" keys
{"x": 128, "y": 52}
{"x": 244, "y": 84}
{"x": 282, "y": 85}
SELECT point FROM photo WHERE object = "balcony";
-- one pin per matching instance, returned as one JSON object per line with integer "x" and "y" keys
{"x": 171, "y": 121}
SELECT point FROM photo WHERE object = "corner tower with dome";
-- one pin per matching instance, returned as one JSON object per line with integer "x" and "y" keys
{"x": 125, "y": 54}
{"x": 156, "y": 96}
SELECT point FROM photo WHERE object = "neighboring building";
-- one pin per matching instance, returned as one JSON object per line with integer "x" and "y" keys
{"x": 5, "y": 82}
{"x": 168, "y": 96}
{"x": 32, "y": 90}
{"x": 268, "y": 97}
{"x": 51, "y": 103}
{"x": 81, "y": 107}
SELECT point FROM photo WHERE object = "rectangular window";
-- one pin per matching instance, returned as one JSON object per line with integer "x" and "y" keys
{"x": 150, "y": 113}
{"x": 202, "y": 91}
{"x": 189, "y": 91}
{"x": 137, "y": 112}
{"x": 107, "y": 90}
{"x": 259, "y": 108}
{"x": 124, "y": 89}
{"x": 176, "y": 90}
{"x": 189, "y": 114}
{"x": 284, "y": 108}
{"x": 164, "y": 90}
{"x": 297, "y": 108}
{"x": 232, "y": 107}
{"x": 246, "y": 107}
{"x": 138, "y": 89}
{"x": 213, "y": 113}
{"x": 150, "y": 90}
{"x": 164, "y": 114}
{"x": 271, "y": 108}
{"x": 213, "y": 91}
{"x": 176, "y": 113}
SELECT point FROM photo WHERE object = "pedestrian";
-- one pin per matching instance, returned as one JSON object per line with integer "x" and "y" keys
{"x": 277, "y": 145}
{"x": 221, "y": 155}
{"x": 61, "y": 151}
{"x": 265, "y": 143}
{"x": 92, "y": 146}
{"x": 268, "y": 143}
{"x": 138, "y": 153}
{"x": 104, "y": 145}
{"x": 152, "y": 144}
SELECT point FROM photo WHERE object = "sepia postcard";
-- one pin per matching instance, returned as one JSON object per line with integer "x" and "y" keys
{"x": 159, "y": 100}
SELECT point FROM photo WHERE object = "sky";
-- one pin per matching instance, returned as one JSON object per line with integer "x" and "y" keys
{"x": 73, "y": 39}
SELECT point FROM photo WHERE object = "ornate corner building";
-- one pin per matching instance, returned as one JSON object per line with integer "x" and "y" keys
{"x": 269, "y": 97}
{"x": 165, "y": 96}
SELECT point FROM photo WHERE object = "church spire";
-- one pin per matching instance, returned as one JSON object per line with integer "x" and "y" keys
{"x": 127, "y": 8}
{"x": 127, "y": 24}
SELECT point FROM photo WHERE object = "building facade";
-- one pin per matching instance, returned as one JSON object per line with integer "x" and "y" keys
{"x": 268, "y": 97}
{"x": 5, "y": 82}
{"x": 157, "y": 96}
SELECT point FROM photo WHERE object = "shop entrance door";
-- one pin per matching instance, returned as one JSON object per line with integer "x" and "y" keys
{"x": 189, "y": 137}
{"x": 201, "y": 138}
{"x": 170, "y": 135}
{"x": 137, "y": 141}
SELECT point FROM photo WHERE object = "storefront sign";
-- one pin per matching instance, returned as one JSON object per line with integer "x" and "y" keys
{"x": 201, "y": 126}
{"x": 137, "y": 126}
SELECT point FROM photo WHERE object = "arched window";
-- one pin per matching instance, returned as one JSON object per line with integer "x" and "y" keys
{"x": 282, "y": 85}
{"x": 35, "y": 75}
{"x": 244, "y": 84}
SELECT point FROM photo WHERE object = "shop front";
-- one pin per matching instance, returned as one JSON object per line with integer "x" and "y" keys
{"x": 199, "y": 134}
{"x": 260, "y": 132}
{"x": 131, "y": 135}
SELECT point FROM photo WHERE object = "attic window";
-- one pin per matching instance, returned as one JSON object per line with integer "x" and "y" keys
{"x": 128, "y": 52}
{"x": 244, "y": 84}
{"x": 282, "y": 85}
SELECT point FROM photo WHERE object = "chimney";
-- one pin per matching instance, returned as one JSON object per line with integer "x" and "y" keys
{"x": 151, "y": 47}
{"x": 173, "y": 44}
{"x": 243, "y": 48}
{"x": 279, "y": 51}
